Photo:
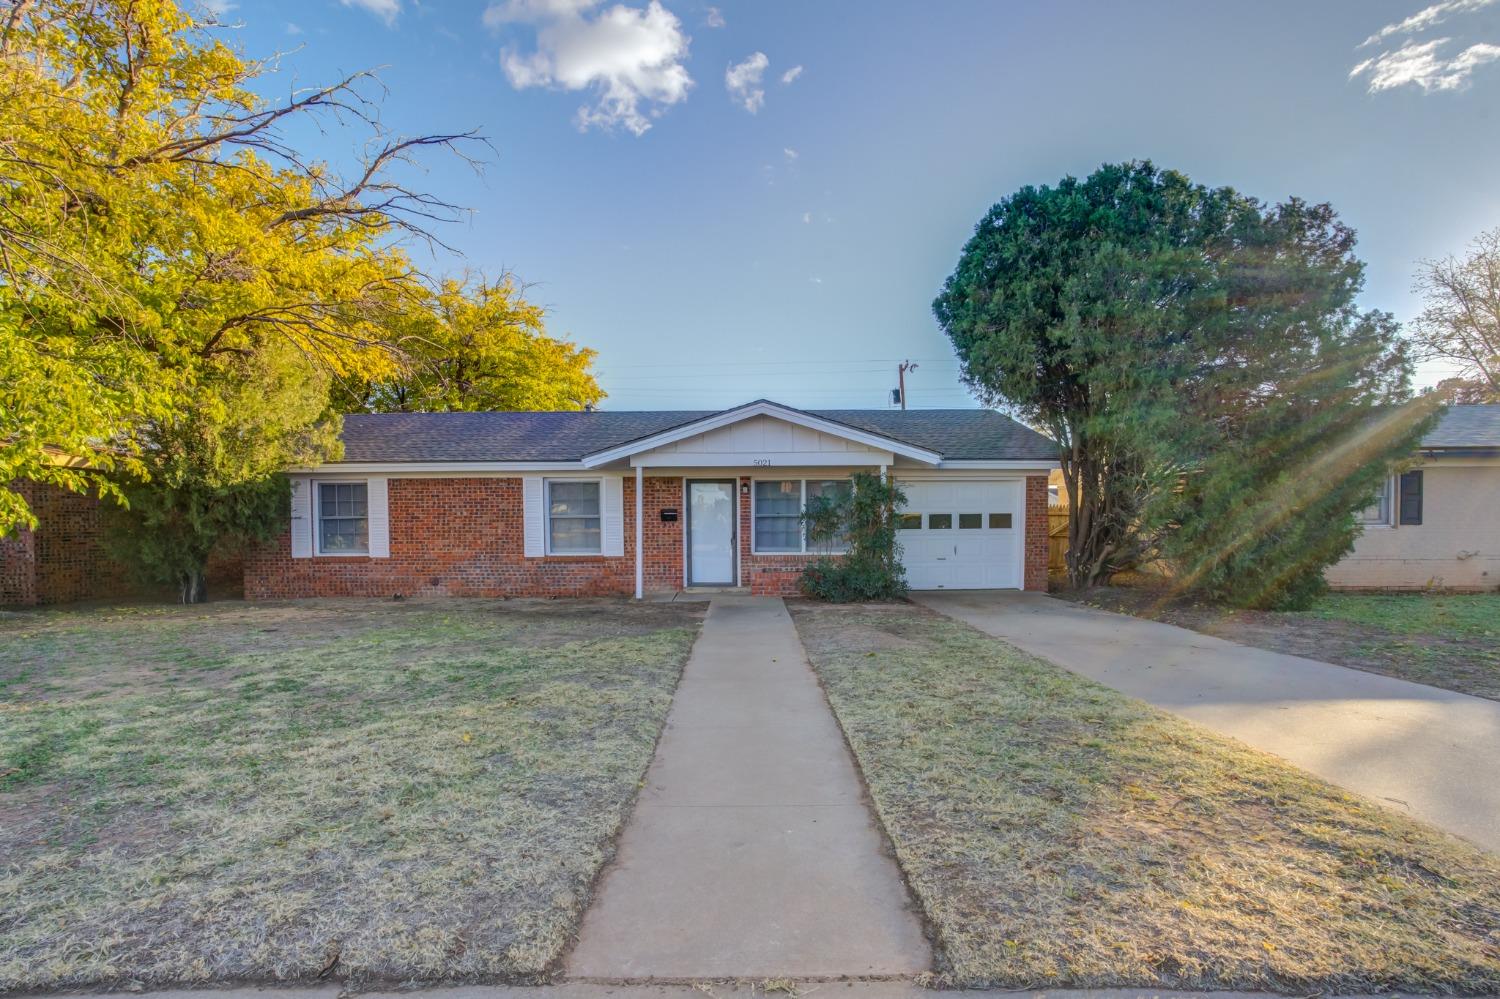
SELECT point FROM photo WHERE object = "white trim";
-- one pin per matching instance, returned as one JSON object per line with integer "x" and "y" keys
{"x": 640, "y": 531}
{"x": 612, "y": 517}
{"x": 794, "y": 416}
{"x": 377, "y": 517}
{"x": 547, "y": 517}
{"x": 317, "y": 515}
{"x": 300, "y": 527}
{"x": 1001, "y": 465}
{"x": 533, "y": 521}
{"x": 432, "y": 469}
{"x": 1392, "y": 501}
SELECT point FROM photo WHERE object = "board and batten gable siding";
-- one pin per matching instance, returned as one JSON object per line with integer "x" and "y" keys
{"x": 765, "y": 438}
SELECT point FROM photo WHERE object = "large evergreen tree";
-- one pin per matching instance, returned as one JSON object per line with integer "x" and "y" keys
{"x": 1168, "y": 335}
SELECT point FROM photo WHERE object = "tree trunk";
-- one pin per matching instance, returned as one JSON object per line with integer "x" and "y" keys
{"x": 192, "y": 586}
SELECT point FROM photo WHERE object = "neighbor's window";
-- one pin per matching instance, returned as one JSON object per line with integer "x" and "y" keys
{"x": 1379, "y": 512}
{"x": 573, "y": 517}
{"x": 909, "y": 522}
{"x": 940, "y": 521}
{"x": 343, "y": 518}
{"x": 999, "y": 521}
{"x": 970, "y": 521}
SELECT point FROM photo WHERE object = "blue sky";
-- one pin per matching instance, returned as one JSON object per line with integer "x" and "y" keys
{"x": 762, "y": 199}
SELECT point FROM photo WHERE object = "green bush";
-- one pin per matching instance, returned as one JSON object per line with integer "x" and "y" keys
{"x": 865, "y": 520}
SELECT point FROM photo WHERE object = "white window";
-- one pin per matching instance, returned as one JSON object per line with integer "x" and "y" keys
{"x": 778, "y": 508}
{"x": 573, "y": 517}
{"x": 343, "y": 518}
{"x": 1378, "y": 514}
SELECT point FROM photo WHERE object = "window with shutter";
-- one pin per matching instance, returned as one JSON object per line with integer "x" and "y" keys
{"x": 1411, "y": 499}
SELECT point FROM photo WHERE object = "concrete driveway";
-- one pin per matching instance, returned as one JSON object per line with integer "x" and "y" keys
{"x": 1430, "y": 752}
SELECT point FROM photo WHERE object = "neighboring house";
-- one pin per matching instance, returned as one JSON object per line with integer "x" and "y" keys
{"x": 1438, "y": 525}
{"x": 559, "y": 504}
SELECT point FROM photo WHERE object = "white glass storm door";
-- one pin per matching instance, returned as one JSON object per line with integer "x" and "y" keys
{"x": 711, "y": 533}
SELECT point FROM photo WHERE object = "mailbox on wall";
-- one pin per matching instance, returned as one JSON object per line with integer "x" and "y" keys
{"x": 669, "y": 515}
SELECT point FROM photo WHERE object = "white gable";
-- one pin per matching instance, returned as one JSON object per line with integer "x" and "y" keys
{"x": 764, "y": 441}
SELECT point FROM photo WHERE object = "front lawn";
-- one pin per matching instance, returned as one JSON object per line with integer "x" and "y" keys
{"x": 362, "y": 790}
{"x": 1446, "y": 640}
{"x": 1059, "y": 834}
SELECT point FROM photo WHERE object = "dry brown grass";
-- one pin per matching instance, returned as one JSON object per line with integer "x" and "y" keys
{"x": 365, "y": 790}
{"x": 1060, "y": 834}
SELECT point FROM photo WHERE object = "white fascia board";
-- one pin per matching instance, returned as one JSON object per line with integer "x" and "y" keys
{"x": 1004, "y": 465}
{"x": 419, "y": 469}
{"x": 759, "y": 462}
{"x": 873, "y": 441}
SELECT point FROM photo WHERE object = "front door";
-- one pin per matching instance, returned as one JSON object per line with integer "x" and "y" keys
{"x": 711, "y": 533}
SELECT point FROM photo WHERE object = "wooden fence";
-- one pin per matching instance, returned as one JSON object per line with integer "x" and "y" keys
{"x": 1057, "y": 541}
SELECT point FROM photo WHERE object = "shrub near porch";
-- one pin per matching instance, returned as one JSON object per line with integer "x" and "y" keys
{"x": 375, "y": 791}
{"x": 1059, "y": 834}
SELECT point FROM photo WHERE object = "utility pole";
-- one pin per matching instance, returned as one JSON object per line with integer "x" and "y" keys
{"x": 901, "y": 370}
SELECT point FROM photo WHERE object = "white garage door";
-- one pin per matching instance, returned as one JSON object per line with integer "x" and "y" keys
{"x": 962, "y": 535}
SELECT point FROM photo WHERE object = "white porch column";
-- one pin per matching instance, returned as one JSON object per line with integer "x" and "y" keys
{"x": 640, "y": 532}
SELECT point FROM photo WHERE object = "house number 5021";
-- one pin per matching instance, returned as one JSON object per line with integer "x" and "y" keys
{"x": 761, "y": 462}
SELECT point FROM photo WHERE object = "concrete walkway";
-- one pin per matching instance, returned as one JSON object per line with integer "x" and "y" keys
{"x": 751, "y": 852}
{"x": 1427, "y": 751}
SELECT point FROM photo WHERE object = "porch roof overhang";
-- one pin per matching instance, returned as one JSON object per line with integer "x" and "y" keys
{"x": 633, "y": 451}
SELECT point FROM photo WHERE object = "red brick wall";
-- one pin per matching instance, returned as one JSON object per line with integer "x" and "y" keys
{"x": 65, "y": 560}
{"x": 18, "y": 559}
{"x": 463, "y": 537}
{"x": 1036, "y": 533}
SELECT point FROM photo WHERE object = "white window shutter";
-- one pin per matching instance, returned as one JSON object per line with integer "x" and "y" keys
{"x": 614, "y": 516}
{"x": 377, "y": 510}
{"x": 533, "y": 516}
{"x": 302, "y": 517}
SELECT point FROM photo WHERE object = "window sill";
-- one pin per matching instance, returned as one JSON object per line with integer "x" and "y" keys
{"x": 341, "y": 555}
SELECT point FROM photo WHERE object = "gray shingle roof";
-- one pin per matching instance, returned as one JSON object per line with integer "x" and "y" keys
{"x": 956, "y": 434}
{"x": 1467, "y": 426}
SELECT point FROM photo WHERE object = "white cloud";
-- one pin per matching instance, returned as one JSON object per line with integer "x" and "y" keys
{"x": 714, "y": 18}
{"x": 386, "y": 10}
{"x": 807, "y": 218}
{"x": 1419, "y": 64}
{"x": 816, "y": 280}
{"x": 631, "y": 58}
{"x": 1426, "y": 18}
{"x": 743, "y": 81}
{"x": 790, "y": 75}
{"x": 218, "y": 8}
{"x": 790, "y": 154}
{"x": 293, "y": 28}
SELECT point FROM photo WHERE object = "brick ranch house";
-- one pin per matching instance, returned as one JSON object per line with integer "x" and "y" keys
{"x": 559, "y": 504}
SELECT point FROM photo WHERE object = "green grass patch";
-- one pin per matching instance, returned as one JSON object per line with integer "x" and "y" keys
{"x": 367, "y": 790}
{"x": 1059, "y": 834}
{"x": 1468, "y": 615}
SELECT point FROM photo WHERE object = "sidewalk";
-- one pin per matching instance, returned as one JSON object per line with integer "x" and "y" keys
{"x": 751, "y": 852}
